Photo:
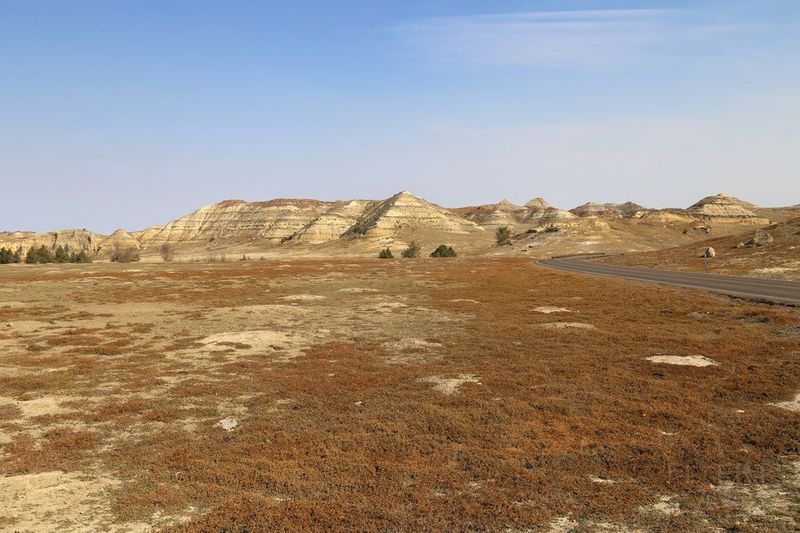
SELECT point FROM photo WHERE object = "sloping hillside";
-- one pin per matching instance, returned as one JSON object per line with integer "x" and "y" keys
{"x": 239, "y": 221}
{"x": 736, "y": 255}
{"x": 723, "y": 208}
{"x": 406, "y": 212}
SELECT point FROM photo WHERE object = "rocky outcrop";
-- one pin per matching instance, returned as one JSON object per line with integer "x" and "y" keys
{"x": 498, "y": 215}
{"x": 119, "y": 239}
{"x": 303, "y": 221}
{"x": 666, "y": 218}
{"x": 610, "y": 210}
{"x": 506, "y": 214}
{"x": 331, "y": 224}
{"x": 537, "y": 203}
{"x": 239, "y": 221}
{"x": 723, "y": 208}
{"x": 404, "y": 216}
{"x": 761, "y": 238}
{"x": 539, "y": 212}
{"x": 406, "y": 212}
{"x": 79, "y": 240}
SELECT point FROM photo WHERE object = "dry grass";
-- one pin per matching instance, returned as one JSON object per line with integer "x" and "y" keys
{"x": 777, "y": 260}
{"x": 552, "y": 423}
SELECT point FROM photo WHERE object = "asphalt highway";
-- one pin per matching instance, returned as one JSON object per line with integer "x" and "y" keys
{"x": 760, "y": 289}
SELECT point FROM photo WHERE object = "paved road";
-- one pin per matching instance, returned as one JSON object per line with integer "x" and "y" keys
{"x": 762, "y": 289}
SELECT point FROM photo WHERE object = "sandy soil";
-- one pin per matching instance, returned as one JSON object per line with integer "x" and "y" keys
{"x": 396, "y": 395}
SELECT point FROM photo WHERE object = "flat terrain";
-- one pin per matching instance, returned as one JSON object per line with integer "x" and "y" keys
{"x": 762, "y": 289}
{"x": 458, "y": 394}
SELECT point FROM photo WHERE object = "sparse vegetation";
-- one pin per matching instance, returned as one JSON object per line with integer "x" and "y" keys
{"x": 503, "y": 235}
{"x": 386, "y": 254}
{"x": 124, "y": 255}
{"x": 444, "y": 251}
{"x": 412, "y": 251}
{"x": 339, "y": 439}
{"x": 167, "y": 252}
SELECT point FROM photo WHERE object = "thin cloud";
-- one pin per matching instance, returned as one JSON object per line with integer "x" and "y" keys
{"x": 589, "y": 39}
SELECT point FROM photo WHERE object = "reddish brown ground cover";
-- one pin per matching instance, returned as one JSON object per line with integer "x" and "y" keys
{"x": 351, "y": 431}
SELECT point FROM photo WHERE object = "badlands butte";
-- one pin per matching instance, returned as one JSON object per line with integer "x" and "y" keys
{"x": 311, "y": 228}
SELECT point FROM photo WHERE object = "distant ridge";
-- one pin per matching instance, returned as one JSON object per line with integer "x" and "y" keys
{"x": 403, "y": 216}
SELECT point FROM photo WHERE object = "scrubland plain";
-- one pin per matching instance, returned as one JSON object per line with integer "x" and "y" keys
{"x": 452, "y": 394}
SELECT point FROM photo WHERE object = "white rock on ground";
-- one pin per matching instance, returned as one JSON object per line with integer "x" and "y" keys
{"x": 547, "y": 309}
{"x": 228, "y": 424}
{"x": 682, "y": 360}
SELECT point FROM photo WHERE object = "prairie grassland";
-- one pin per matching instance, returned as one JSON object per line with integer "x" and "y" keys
{"x": 390, "y": 395}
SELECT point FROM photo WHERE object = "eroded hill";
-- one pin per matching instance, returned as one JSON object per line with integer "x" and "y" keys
{"x": 314, "y": 228}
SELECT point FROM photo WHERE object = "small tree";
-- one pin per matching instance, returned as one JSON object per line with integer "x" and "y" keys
{"x": 386, "y": 254}
{"x": 39, "y": 255}
{"x": 6, "y": 256}
{"x": 124, "y": 255}
{"x": 412, "y": 251}
{"x": 45, "y": 255}
{"x": 80, "y": 257}
{"x": 167, "y": 252}
{"x": 503, "y": 235}
{"x": 62, "y": 255}
{"x": 444, "y": 251}
{"x": 32, "y": 257}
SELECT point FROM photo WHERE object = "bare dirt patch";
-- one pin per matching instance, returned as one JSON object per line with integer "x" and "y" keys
{"x": 566, "y": 325}
{"x": 450, "y": 385}
{"x": 126, "y": 388}
{"x": 682, "y": 360}
{"x": 791, "y": 405}
{"x": 259, "y": 341}
{"x": 548, "y": 309}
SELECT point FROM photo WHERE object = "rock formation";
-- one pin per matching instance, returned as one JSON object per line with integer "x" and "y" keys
{"x": 404, "y": 217}
{"x": 538, "y": 203}
{"x": 78, "y": 240}
{"x": 725, "y": 209}
{"x": 407, "y": 212}
{"x": 239, "y": 221}
{"x": 666, "y": 217}
{"x": 120, "y": 238}
{"x": 761, "y": 238}
{"x": 610, "y": 210}
{"x": 331, "y": 224}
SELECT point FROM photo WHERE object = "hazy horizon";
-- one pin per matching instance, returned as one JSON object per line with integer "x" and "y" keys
{"x": 131, "y": 114}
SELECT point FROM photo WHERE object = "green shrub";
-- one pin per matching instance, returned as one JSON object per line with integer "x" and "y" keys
{"x": 503, "y": 235}
{"x": 41, "y": 254}
{"x": 412, "y": 251}
{"x": 7, "y": 256}
{"x": 80, "y": 257}
{"x": 444, "y": 251}
{"x": 386, "y": 254}
{"x": 62, "y": 254}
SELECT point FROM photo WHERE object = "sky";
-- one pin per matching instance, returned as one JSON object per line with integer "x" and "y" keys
{"x": 132, "y": 113}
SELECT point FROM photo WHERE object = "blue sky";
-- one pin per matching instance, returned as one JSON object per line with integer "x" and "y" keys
{"x": 131, "y": 113}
